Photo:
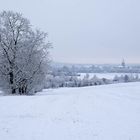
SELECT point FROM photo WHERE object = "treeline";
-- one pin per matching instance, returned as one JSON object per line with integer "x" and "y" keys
{"x": 56, "y": 81}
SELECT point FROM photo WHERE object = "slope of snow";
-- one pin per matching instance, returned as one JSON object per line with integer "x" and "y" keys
{"x": 109, "y": 112}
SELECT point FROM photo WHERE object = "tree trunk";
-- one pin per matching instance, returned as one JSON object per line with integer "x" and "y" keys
{"x": 13, "y": 89}
{"x": 23, "y": 87}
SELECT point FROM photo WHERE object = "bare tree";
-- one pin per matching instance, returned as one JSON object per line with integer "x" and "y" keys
{"x": 23, "y": 54}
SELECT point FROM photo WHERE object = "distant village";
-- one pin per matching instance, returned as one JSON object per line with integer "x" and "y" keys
{"x": 97, "y": 68}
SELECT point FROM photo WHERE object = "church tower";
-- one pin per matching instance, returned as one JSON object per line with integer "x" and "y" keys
{"x": 123, "y": 63}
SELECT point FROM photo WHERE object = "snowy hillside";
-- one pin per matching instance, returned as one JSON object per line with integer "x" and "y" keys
{"x": 109, "y": 112}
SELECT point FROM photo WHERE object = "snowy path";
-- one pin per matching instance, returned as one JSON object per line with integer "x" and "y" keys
{"x": 109, "y": 112}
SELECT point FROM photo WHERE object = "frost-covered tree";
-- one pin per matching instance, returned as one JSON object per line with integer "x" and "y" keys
{"x": 23, "y": 54}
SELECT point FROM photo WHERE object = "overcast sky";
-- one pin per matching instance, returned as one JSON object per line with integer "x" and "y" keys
{"x": 86, "y": 31}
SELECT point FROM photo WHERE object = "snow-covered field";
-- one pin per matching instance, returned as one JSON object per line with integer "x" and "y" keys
{"x": 108, "y": 112}
{"x": 105, "y": 75}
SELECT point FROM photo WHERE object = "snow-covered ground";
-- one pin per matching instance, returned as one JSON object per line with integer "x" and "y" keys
{"x": 108, "y": 112}
{"x": 105, "y": 75}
